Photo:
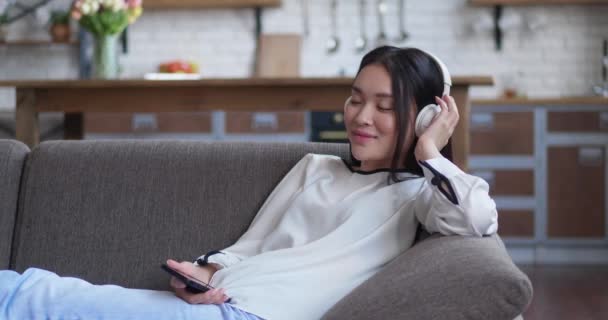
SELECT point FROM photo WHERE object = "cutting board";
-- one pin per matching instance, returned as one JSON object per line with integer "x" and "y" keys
{"x": 278, "y": 55}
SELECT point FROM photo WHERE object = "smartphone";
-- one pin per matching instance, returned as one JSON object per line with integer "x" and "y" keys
{"x": 192, "y": 285}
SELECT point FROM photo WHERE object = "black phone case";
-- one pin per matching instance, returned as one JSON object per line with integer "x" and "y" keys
{"x": 192, "y": 286}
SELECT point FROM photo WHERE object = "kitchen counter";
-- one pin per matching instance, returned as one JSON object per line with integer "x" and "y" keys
{"x": 73, "y": 97}
{"x": 571, "y": 101}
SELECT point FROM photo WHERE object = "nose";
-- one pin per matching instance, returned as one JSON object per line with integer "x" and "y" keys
{"x": 365, "y": 115}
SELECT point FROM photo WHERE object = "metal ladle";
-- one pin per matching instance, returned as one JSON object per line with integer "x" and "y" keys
{"x": 333, "y": 43}
{"x": 381, "y": 10}
{"x": 361, "y": 41}
{"x": 403, "y": 34}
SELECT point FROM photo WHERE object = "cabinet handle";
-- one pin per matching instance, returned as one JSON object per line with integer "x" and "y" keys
{"x": 590, "y": 156}
{"x": 144, "y": 122}
{"x": 604, "y": 120}
{"x": 264, "y": 120}
{"x": 482, "y": 121}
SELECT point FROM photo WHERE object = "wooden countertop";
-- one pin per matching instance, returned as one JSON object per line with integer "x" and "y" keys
{"x": 242, "y": 82}
{"x": 583, "y": 100}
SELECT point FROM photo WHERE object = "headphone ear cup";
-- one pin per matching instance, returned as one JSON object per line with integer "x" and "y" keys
{"x": 425, "y": 117}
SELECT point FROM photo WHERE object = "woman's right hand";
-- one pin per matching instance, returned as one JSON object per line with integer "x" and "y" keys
{"x": 213, "y": 296}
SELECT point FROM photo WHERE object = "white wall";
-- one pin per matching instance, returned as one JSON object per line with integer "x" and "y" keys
{"x": 560, "y": 59}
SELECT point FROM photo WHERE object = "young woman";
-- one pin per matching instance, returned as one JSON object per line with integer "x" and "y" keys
{"x": 329, "y": 225}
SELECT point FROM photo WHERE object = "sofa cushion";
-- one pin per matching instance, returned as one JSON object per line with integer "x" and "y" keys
{"x": 12, "y": 157}
{"x": 442, "y": 277}
{"x": 113, "y": 211}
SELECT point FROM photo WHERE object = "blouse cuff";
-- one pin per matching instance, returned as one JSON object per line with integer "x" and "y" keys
{"x": 219, "y": 259}
{"x": 438, "y": 172}
{"x": 442, "y": 165}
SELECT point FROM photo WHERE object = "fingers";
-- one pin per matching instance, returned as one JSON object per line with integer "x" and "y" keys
{"x": 184, "y": 267}
{"x": 213, "y": 296}
{"x": 177, "y": 284}
{"x": 448, "y": 104}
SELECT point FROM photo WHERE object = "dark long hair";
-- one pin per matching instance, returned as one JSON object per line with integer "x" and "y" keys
{"x": 415, "y": 77}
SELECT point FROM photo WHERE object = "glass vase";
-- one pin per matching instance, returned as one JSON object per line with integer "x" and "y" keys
{"x": 105, "y": 57}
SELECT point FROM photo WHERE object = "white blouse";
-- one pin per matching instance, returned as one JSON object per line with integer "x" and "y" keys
{"x": 326, "y": 228}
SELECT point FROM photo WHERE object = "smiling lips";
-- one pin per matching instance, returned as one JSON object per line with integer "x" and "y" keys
{"x": 362, "y": 137}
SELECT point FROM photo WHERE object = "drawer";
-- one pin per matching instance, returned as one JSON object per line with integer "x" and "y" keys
{"x": 516, "y": 223}
{"x": 581, "y": 121}
{"x": 576, "y": 192}
{"x": 508, "y": 182}
{"x": 165, "y": 122}
{"x": 265, "y": 122}
{"x": 502, "y": 133}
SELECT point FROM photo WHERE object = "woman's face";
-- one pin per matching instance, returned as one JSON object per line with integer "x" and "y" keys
{"x": 370, "y": 118}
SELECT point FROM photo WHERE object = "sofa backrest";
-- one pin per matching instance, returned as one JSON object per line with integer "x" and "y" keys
{"x": 113, "y": 211}
{"x": 12, "y": 158}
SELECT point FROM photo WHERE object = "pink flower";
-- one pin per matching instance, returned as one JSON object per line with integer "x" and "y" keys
{"x": 76, "y": 15}
{"x": 78, "y": 4}
{"x": 133, "y": 3}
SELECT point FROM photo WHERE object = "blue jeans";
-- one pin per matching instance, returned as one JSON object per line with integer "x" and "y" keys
{"x": 40, "y": 294}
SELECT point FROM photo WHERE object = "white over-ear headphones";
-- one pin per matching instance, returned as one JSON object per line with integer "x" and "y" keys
{"x": 428, "y": 113}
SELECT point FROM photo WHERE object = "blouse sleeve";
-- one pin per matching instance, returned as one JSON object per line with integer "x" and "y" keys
{"x": 454, "y": 203}
{"x": 265, "y": 221}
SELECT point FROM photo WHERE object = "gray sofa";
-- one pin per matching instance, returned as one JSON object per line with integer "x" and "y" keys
{"x": 112, "y": 211}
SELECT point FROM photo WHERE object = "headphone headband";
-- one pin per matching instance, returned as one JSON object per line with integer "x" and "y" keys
{"x": 447, "y": 80}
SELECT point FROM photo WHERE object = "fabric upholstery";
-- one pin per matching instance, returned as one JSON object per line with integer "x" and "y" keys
{"x": 12, "y": 158}
{"x": 112, "y": 212}
{"x": 450, "y": 277}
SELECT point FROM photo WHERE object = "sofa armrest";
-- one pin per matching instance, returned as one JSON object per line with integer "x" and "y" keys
{"x": 445, "y": 277}
{"x": 12, "y": 158}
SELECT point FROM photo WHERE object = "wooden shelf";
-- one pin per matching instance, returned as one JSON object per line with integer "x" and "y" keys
{"x": 211, "y": 4}
{"x": 26, "y": 42}
{"x": 534, "y": 2}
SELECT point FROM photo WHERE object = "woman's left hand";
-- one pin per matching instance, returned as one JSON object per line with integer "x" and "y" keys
{"x": 436, "y": 136}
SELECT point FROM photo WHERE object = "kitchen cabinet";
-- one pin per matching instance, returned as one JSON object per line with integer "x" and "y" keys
{"x": 576, "y": 192}
{"x": 584, "y": 121}
{"x": 545, "y": 162}
{"x": 502, "y": 133}
{"x": 534, "y": 2}
{"x": 516, "y": 223}
{"x": 512, "y": 182}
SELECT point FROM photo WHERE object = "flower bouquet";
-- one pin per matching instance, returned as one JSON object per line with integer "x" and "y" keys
{"x": 105, "y": 20}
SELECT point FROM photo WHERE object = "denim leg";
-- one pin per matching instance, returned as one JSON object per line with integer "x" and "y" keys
{"x": 40, "y": 294}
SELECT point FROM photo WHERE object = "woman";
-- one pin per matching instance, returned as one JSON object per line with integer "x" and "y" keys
{"x": 329, "y": 225}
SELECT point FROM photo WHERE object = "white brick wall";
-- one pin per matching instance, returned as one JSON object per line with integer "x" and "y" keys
{"x": 560, "y": 59}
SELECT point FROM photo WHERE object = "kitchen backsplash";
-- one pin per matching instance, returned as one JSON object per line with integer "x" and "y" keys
{"x": 548, "y": 51}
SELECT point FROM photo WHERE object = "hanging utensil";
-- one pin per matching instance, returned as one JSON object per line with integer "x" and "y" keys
{"x": 381, "y": 9}
{"x": 361, "y": 41}
{"x": 305, "y": 17}
{"x": 333, "y": 43}
{"x": 403, "y": 34}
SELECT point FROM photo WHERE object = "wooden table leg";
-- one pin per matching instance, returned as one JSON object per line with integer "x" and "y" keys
{"x": 73, "y": 127}
{"x": 27, "y": 127}
{"x": 460, "y": 138}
